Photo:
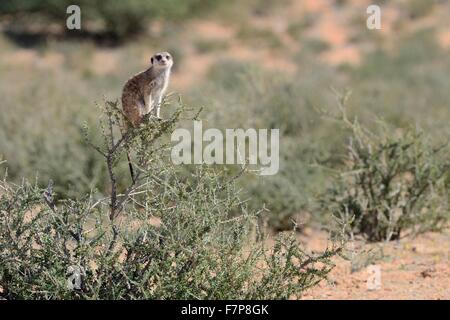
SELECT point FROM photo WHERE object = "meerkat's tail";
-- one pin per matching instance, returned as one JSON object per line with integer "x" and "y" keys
{"x": 130, "y": 165}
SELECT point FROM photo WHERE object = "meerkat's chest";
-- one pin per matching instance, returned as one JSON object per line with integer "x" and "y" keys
{"x": 159, "y": 84}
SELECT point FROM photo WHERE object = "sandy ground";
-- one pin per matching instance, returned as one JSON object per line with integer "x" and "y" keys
{"x": 408, "y": 269}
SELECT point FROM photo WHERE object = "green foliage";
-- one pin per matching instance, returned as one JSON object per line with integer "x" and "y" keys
{"x": 259, "y": 37}
{"x": 245, "y": 96}
{"x": 166, "y": 235}
{"x": 210, "y": 45}
{"x": 407, "y": 85}
{"x": 297, "y": 29}
{"x": 393, "y": 182}
{"x": 43, "y": 134}
{"x": 315, "y": 46}
{"x": 119, "y": 17}
{"x": 419, "y": 8}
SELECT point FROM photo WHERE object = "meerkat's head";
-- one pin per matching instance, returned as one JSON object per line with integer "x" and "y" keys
{"x": 162, "y": 60}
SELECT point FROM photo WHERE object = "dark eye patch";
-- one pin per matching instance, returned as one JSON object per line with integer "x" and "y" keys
{"x": 158, "y": 57}
{"x": 168, "y": 57}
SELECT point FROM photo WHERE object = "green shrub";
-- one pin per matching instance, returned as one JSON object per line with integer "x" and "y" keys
{"x": 241, "y": 95}
{"x": 167, "y": 235}
{"x": 118, "y": 17}
{"x": 419, "y": 8}
{"x": 210, "y": 45}
{"x": 297, "y": 29}
{"x": 259, "y": 37}
{"x": 315, "y": 45}
{"x": 42, "y": 135}
{"x": 393, "y": 182}
{"x": 417, "y": 66}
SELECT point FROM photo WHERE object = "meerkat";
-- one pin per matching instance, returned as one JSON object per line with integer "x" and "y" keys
{"x": 143, "y": 93}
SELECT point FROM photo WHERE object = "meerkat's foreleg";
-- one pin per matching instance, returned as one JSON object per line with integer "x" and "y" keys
{"x": 146, "y": 105}
{"x": 151, "y": 104}
{"x": 158, "y": 105}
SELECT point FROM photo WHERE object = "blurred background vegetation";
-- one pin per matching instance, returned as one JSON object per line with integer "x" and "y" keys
{"x": 252, "y": 63}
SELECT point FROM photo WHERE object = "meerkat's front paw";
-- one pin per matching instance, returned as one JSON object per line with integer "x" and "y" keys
{"x": 157, "y": 118}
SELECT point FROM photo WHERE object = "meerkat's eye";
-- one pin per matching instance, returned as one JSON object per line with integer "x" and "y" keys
{"x": 158, "y": 57}
{"x": 168, "y": 57}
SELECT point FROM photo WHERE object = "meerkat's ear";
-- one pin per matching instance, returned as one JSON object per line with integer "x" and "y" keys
{"x": 151, "y": 60}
